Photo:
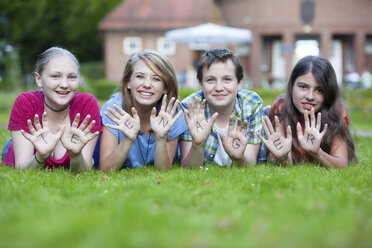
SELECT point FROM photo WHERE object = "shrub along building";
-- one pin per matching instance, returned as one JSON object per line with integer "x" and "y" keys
{"x": 283, "y": 31}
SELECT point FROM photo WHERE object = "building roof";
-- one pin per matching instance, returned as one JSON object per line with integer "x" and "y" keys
{"x": 159, "y": 15}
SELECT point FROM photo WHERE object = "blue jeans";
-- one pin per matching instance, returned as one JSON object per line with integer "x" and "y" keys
{"x": 6, "y": 148}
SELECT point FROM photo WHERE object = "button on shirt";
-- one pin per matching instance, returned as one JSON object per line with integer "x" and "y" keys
{"x": 248, "y": 106}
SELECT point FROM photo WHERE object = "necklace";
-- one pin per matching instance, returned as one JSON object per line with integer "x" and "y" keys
{"x": 144, "y": 159}
{"x": 56, "y": 110}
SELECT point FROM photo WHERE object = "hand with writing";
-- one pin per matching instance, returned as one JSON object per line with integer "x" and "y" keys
{"x": 311, "y": 138}
{"x": 76, "y": 137}
{"x": 276, "y": 142}
{"x": 127, "y": 124}
{"x": 236, "y": 141}
{"x": 41, "y": 137}
{"x": 161, "y": 123}
{"x": 198, "y": 126}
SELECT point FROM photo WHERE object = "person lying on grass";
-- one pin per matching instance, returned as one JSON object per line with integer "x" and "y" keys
{"x": 55, "y": 126}
{"x": 316, "y": 120}
{"x": 141, "y": 125}
{"x": 223, "y": 119}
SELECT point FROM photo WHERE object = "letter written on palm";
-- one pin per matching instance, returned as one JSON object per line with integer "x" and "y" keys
{"x": 76, "y": 137}
{"x": 126, "y": 124}
{"x": 311, "y": 138}
{"x": 161, "y": 123}
{"x": 236, "y": 140}
{"x": 276, "y": 142}
{"x": 41, "y": 136}
{"x": 198, "y": 126}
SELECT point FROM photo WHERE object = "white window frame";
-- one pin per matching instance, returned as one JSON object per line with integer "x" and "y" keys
{"x": 368, "y": 46}
{"x": 166, "y": 46}
{"x": 132, "y": 45}
{"x": 244, "y": 49}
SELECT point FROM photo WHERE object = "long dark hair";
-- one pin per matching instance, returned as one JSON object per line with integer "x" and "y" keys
{"x": 332, "y": 109}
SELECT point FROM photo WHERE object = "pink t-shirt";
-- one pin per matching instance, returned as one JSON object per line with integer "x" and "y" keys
{"x": 30, "y": 103}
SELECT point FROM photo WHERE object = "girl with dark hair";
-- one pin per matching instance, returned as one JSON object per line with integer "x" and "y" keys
{"x": 141, "y": 125}
{"x": 55, "y": 126}
{"x": 316, "y": 120}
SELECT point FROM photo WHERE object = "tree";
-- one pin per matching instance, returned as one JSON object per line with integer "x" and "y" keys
{"x": 39, "y": 24}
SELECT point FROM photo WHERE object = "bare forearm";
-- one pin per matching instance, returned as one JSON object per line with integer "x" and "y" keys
{"x": 79, "y": 163}
{"x": 330, "y": 161}
{"x": 284, "y": 160}
{"x": 34, "y": 162}
{"x": 251, "y": 154}
{"x": 194, "y": 159}
{"x": 116, "y": 158}
{"x": 162, "y": 160}
{"x": 241, "y": 162}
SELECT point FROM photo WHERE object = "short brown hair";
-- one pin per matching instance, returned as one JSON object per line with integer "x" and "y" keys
{"x": 214, "y": 55}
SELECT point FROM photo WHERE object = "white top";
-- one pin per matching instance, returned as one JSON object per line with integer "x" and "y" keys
{"x": 221, "y": 157}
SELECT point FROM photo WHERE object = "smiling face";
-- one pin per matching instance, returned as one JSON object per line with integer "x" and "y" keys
{"x": 220, "y": 85}
{"x": 307, "y": 94}
{"x": 145, "y": 85}
{"x": 59, "y": 80}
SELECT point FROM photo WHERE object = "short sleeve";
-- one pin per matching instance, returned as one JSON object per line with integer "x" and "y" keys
{"x": 25, "y": 107}
{"x": 86, "y": 104}
{"x": 115, "y": 99}
{"x": 253, "y": 113}
{"x": 178, "y": 128}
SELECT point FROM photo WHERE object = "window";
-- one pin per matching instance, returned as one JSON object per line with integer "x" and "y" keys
{"x": 368, "y": 45}
{"x": 132, "y": 45}
{"x": 166, "y": 46}
{"x": 243, "y": 49}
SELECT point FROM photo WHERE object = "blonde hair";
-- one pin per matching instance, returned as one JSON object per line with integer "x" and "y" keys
{"x": 160, "y": 65}
{"x": 51, "y": 53}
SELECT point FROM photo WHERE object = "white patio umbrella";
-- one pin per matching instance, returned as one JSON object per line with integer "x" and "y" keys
{"x": 210, "y": 33}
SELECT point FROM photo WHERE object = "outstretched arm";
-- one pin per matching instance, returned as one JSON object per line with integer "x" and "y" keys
{"x": 79, "y": 143}
{"x": 113, "y": 154}
{"x": 311, "y": 139}
{"x": 236, "y": 142}
{"x": 278, "y": 145}
{"x": 160, "y": 125}
{"x": 192, "y": 152}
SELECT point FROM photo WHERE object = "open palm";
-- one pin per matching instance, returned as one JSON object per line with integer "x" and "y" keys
{"x": 41, "y": 137}
{"x": 276, "y": 142}
{"x": 161, "y": 123}
{"x": 76, "y": 137}
{"x": 127, "y": 124}
{"x": 198, "y": 126}
{"x": 236, "y": 140}
{"x": 311, "y": 138}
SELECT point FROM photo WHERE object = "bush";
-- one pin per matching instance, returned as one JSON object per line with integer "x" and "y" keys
{"x": 103, "y": 88}
{"x": 357, "y": 99}
{"x": 184, "y": 92}
{"x": 92, "y": 70}
{"x": 10, "y": 70}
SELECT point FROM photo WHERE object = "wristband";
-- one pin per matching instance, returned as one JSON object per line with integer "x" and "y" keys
{"x": 39, "y": 162}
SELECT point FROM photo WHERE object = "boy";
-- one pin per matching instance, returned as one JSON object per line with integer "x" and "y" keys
{"x": 218, "y": 129}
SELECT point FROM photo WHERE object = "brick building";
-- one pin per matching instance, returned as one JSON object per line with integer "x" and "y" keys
{"x": 283, "y": 31}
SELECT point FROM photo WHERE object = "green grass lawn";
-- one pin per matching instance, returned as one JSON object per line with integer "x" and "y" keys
{"x": 262, "y": 206}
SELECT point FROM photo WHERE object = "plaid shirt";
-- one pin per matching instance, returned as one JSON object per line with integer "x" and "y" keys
{"x": 248, "y": 106}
